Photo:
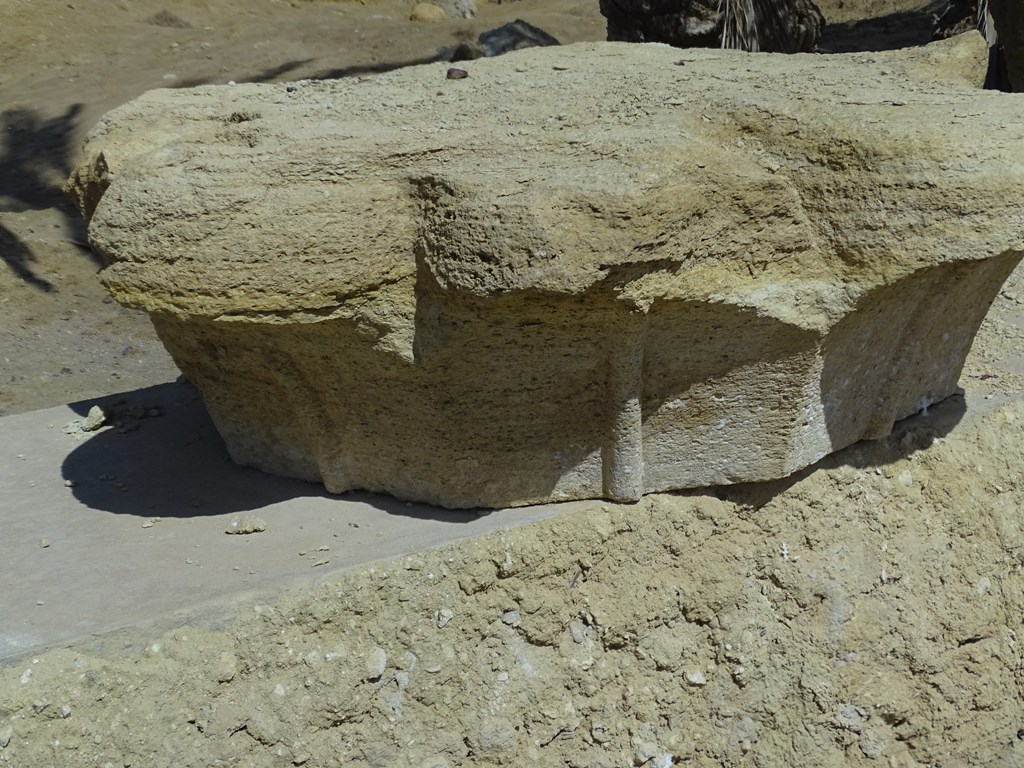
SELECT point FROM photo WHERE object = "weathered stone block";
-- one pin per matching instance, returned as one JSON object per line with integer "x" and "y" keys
{"x": 601, "y": 270}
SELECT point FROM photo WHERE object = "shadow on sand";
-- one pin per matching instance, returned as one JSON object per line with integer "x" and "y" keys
{"x": 34, "y": 151}
{"x": 902, "y": 29}
{"x": 161, "y": 456}
{"x": 910, "y": 435}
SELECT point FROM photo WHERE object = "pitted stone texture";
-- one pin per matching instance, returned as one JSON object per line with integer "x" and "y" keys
{"x": 601, "y": 270}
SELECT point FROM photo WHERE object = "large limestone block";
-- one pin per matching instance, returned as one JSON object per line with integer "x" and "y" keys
{"x": 601, "y": 270}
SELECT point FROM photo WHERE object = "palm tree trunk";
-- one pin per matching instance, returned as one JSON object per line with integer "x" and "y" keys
{"x": 785, "y": 26}
{"x": 1006, "y": 18}
{"x": 769, "y": 25}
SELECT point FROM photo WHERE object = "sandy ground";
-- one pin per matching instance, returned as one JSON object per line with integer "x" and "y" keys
{"x": 868, "y": 611}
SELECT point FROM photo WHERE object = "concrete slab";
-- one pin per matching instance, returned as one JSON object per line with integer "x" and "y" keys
{"x": 125, "y": 526}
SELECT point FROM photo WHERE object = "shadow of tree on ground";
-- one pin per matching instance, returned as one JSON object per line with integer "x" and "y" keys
{"x": 34, "y": 154}
{"x": 19, "y": 258}
{"x": 903, "y": 29}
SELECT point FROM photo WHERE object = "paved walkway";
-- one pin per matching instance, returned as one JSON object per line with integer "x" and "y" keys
{"x": 112, "y": 529}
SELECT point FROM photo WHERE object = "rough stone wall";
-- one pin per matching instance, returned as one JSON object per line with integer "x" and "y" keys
{"x": 869, "y": 613}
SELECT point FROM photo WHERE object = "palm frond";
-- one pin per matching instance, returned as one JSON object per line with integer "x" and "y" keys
{"x": 739, "y": 25}
{"x": 986, "y": 25}
{"x": 757, "y": 25}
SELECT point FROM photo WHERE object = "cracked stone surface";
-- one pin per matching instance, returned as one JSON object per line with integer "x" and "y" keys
{"x": 695, "y": 268}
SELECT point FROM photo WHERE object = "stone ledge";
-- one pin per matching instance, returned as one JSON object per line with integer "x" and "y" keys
{"x": 479, "y": 293}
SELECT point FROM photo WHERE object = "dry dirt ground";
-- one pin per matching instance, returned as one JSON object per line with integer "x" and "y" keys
{"x": 866, "y": 612}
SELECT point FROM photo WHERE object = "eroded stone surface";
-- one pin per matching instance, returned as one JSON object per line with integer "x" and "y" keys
{"x": 601, "y": 270}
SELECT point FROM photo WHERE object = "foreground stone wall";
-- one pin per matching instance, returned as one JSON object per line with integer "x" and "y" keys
{"x": 852, "y": 618}
{"x": 603, "y": 270}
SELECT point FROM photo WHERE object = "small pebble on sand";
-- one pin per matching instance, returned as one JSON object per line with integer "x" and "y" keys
{"x": 376, "y": 663}
{"x": 96, "y": 419}
{"x": 244, "y": 524}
